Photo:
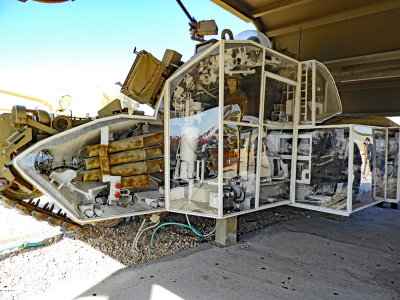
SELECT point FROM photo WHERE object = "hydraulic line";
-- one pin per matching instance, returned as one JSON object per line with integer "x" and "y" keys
{"x": 201, "y": 239}
{"x": 205, "y": 235}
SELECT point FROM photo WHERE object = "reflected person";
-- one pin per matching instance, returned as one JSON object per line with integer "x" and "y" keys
{"x": 369, "y": 156}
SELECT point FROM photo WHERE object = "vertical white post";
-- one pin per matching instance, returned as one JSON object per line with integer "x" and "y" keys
{"x": 386, "y": 159}
{"x": 167, "y": 156}
{"x": 260, "y": 131}
{"x": 221, "y": 129}
{"x": 350, "y": 171}
{"x": 398, "y": 167}
{"x": 296, "y": 119}
{"x": 313, "y": 92}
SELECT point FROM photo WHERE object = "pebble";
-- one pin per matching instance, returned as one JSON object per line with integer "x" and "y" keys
{"x": 70, "y": 256}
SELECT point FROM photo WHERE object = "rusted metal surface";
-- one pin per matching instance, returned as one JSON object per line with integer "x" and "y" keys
{"x": 153, "y": 139}
{"x": 134, "y": 142}
{"x": 131, "y": 182}
{"x": 231, "y": 157}
{"x": 125, "y": 157}
{"x": 103, "y": 157}
{"x": 129, "y": 169}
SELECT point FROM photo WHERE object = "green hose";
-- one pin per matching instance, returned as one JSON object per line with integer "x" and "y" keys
{"x": 22, "y": 246}
{"x": 179, "y": 224}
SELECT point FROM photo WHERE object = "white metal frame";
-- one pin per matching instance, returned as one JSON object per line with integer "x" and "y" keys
{"x": 374, "y": 170}
{"x": 391, "y": 200}
{"x": 16, "y": 163}
{"x": 295, "y": 126}
{"x": 350, "y": 168}
{"x": 349, "y": 209}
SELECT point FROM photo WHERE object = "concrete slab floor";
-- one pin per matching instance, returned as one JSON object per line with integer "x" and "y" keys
{"x": 310, "y": 257}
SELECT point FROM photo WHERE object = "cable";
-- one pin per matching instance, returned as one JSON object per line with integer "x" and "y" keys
{"x": 137, "y": 234}
{"x": 22, "y": 246}
{"x": 205, "y": 235}
{"x": 141, "y": 233}
{"x": 178, "y": 224}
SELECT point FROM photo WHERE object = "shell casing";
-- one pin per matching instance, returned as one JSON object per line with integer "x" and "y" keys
{"x": 125, "y": 157}
{"x": 134, "y": 142}
{"x": 129, "y": 169}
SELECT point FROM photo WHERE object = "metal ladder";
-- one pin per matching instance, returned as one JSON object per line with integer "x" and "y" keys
{"x": 305, "y": 86}
{"x": 290, "y": 95}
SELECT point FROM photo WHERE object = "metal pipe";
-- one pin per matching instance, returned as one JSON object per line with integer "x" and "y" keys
{"x": 16, "y": 94}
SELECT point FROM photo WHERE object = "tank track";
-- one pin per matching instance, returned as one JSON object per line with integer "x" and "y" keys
{"x": 46, "y": 212}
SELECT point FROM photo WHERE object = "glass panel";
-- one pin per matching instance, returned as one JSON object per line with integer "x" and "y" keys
{"x": 363, "y": 166}
{"x": 378, "y": 162}
{"x": 239, "y": 167}
{"x": 278, "y": 64}
{"x": 327, "y": 100}
{"x": 279, "y": 101}
{"x": 393, "y": 163}
{"x": 194, "y": 137}
{"x": 243, "y": 68}
{"x": 322, "y": 167}
{"x": 276, "y": 159}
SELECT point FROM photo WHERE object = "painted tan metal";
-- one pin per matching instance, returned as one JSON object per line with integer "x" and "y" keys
{"x": 240, "y": 13}
{"x": 125, "y": 157}
{"x": 20, "y": 116}
{"x": 277, "y": 6}
{"x": 20, "y": 95}
{"x": 138, "y": 181}
{"x": 103, "y": 157}
{"x": 18, "y": 141}
{"x": 62, "y": 123}
{"x": 129, "y": 169}
{"x": 134, "y": 142}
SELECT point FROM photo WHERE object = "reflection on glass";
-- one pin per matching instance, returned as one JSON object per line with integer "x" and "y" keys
{"x": 327, "y": 100}
{"x": 322, "y": 167}
{"x": 276, "y": 159}
{"x": 239, "y": 167}
{"x": 279, "y": 96}
{"x": 378, "y": 162}
{"x": 196, "y": 89}
{"x": 363, "y": 166}
{"x": 279, "y": 101}
{"x": 369, "y": 165}
{"x": 392, "y": 163}
{"x": 194, "y": 137}
{"x": 282, "y": 66}
{"x": 243, "y": 67}
{"x": 193, "y": 148}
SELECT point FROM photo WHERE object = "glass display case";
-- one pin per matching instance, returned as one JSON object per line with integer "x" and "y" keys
{"x": 275, "y": 162}
{"x": 340, "y": 169}
{"x": 232, "y": 114}
{"x": 322, "y": 168}
{"x": 215, "y": 114}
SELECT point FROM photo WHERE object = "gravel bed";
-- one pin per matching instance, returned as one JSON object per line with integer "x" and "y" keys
{"x": 68, "y": 257}
{"x": 117, "y": 242}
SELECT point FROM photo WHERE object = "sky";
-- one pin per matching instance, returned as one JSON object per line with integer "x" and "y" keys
{"x": 83, "y": 47}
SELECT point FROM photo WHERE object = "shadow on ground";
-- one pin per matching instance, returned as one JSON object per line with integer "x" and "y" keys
{"x": 309, "y": 257}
